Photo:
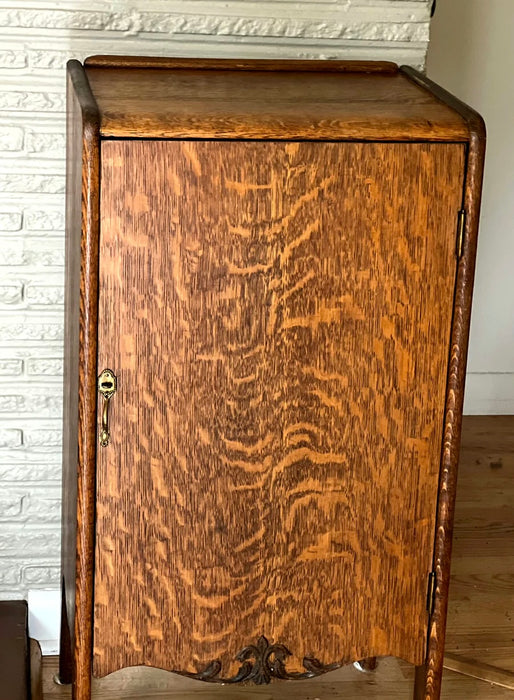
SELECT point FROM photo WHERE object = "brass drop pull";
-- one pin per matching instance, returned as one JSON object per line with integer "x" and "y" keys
{"x": 106, "y": 387}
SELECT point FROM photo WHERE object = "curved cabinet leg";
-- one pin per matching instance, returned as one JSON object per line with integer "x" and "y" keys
{"x": 65, "y": 651}
{"x": 366, "y": 665}
{"x": 420, "y": 683}
{"x": 81, "y": 689}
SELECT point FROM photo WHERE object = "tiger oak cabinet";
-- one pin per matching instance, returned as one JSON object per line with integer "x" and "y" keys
{"x": 269, "y": 277}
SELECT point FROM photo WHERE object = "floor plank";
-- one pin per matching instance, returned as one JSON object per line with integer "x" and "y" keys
{"x": 481, "y": 611}
{"x": 480, "y": 670}
{"x": 392, "y": 681}
{"x": 481, "y": 608}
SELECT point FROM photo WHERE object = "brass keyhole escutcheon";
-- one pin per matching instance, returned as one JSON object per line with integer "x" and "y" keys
{"x": 107, "y": 388}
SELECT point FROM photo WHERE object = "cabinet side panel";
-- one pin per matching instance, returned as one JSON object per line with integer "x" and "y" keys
{"x": 79, "y": 444}
{"x": 456, "y": 379}
{"x": 278, "y": 316}
{"x": 71, "y": 371}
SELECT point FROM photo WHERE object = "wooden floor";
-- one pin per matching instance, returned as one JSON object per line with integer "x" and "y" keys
{"x": 480, "y": 624}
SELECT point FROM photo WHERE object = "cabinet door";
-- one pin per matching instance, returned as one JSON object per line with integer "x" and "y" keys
{"x": 278, "y": 316}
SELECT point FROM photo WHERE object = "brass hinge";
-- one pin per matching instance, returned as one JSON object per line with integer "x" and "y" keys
{"x": 432, "y": 585}
{"x": 461, "y": 228}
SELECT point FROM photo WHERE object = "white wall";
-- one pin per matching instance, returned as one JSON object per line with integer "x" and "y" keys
{"x": 471, "y": 53}
{"x": 36, "y": 39}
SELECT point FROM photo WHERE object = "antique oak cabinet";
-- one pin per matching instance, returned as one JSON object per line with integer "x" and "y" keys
{"x": 269, "y": 276}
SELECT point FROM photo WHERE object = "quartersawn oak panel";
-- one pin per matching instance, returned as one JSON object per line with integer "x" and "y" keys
{"x": 278, "y": 316}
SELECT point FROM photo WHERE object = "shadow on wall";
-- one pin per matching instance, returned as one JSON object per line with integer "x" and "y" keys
{"x": 471, "y": 53}
{"x": 459, "y": 27}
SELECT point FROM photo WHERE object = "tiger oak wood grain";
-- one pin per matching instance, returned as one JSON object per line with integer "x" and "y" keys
{"x": 278, "y": 315}
{"x": 296, "y": 104}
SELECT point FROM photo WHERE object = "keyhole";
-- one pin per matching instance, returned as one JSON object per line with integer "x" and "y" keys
{"x": 107, "y": 385}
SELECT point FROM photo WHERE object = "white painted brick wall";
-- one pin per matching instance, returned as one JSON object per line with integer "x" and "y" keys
{"x": 37, "y": 37}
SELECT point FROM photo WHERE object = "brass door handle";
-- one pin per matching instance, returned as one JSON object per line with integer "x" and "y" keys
{"x": 107, "y": 388}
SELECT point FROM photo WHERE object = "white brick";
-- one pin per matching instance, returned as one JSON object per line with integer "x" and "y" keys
{"x": 50, "y": 145}
{"x": 10, "y": 332}
{"x": 49, "y": 367}
{"x": 33, "y": 541}
{"x": 11, "y": 293}
{"x": 10, "y": 437}
{"x": 41, "y": 575}
{"x": 28, "y": 183}
{"x": 46, "y": 404}
{"x": 11, "y": 505}
{"x": 46, "y": 58}
{"x": 16, "y": 594}
{"x": 56, "y": 19}
{"x": 34, "y": 437}
{"x": 11, "y": 253}
{"x": 13, "y": 59}
{"x": 273, "y": 27}
{"x": 33, "y": 252}
{"x": 44, "y": 220}
{"x": 11, "y": 138}
{"x": 222, "y": 23}
{"x": 42, "y": 295}
{"x": 10, "y": 220}
{"x": 29, "y": 472}
{"x": 20, "y": 101}
{"x": 11, "y": 368}
{"x": 43, "y": 509}
{"x": 10, "y": 574}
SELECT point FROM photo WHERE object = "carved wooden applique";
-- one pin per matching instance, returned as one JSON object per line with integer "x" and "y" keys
{"x": 260, "y": 663}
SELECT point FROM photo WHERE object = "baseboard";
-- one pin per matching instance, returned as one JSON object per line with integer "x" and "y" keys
{"x": 45, "y": 619}
{"x": 489, "y": 394}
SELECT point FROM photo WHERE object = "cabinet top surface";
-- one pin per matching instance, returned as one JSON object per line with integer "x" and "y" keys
{"x": 271, "y": 100}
